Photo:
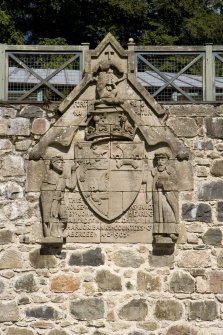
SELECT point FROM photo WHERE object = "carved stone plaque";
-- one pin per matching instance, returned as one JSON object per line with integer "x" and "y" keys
{"x": 109, "y": 162}
{"x": 134, "y": 226}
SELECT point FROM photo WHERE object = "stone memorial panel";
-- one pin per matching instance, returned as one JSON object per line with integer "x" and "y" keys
{"x": 109, "y": 161}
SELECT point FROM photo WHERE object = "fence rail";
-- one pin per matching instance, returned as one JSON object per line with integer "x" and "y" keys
{"x": 172, "y": 74}
{"x": 39, "y": 73}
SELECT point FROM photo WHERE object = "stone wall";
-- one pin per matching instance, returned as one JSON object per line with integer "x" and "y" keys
{"x": 103, "y": 289}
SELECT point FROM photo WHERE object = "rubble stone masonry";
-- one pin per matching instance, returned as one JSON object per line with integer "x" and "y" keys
{"x": 105, "y": 288}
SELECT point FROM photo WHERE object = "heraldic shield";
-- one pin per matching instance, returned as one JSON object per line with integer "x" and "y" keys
{"x": 109, "y": 175}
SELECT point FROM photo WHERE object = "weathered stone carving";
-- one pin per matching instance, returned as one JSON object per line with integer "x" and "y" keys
{"x": 108, "y": 75}
{"x": 54, "y": 212}
{"x": 165, "y": 200}
{"x": 104, "y": 187}
{"x": 111, "y": 177}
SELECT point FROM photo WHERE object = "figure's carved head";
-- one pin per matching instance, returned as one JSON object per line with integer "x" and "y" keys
{"x": 161, "y": 158}
{"x": 56, "y": 163}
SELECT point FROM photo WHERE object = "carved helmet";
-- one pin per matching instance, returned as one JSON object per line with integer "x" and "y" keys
{"x": 56, "y": 158}
{"x": 161, "y": 154}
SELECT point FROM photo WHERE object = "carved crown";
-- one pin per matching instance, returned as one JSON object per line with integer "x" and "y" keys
{"x": 109, "y": 123}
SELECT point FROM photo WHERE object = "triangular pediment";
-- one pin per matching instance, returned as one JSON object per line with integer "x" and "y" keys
{"x": 107, "y": 86}
{"x": 109, "y": 41}
{"x": 110, "y": 49}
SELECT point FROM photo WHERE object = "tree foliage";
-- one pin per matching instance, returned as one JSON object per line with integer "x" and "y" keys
{"x": 159, "y": 22}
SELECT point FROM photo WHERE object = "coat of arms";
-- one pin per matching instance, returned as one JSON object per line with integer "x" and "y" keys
{"x": 109, "y": 175}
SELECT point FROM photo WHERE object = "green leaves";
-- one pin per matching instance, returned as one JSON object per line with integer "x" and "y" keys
{"x": 159, "y": 22}
{"x": 8, "y": 32}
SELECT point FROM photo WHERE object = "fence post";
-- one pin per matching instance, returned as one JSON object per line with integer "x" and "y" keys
{"x": 209, "y": 73}
{"x": 131, "y": 55}
{"x": 85, "y": 49}
{"x": 2, "y": 71}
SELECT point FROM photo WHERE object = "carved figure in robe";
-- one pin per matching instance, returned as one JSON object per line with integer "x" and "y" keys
{"x": 165, "y": 199}
{"x": 54, "y": 213}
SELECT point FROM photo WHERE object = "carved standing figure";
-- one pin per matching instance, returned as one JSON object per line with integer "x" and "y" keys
{"x": 165, "y": 199}
{"x": 54, "y": 214}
